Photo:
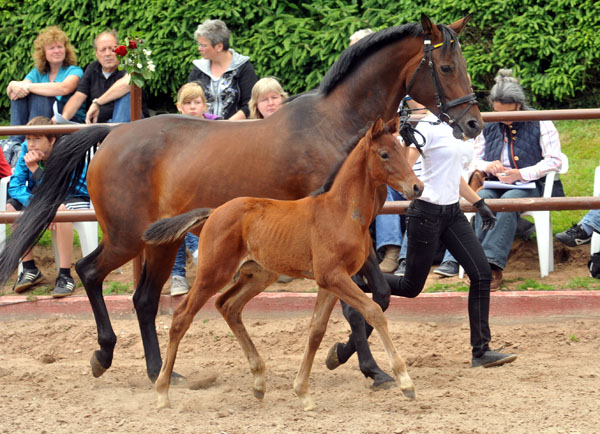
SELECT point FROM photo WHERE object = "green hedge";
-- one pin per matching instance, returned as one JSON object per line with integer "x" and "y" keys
{"x": 552, "y": 44}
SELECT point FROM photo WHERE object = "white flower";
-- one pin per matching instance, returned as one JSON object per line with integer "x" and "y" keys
{"x": 140, "y": 66}
{"x": 147, "y": 52}
{"x": 151, "y": 67}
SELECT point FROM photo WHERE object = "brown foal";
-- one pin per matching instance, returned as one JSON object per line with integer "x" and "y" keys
{"x": 323, "y": 237}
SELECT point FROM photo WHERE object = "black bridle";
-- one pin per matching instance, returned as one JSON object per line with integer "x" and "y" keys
{"x": 440, "y": 97}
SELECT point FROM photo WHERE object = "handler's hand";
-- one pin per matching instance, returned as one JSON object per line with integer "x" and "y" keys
{"x": 91, "y": 117}
{"x": 488, "y": 219}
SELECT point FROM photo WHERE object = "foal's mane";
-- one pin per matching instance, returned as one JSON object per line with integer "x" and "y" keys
{"x": 336, "y": 168}
{"x": 357, "y": 53}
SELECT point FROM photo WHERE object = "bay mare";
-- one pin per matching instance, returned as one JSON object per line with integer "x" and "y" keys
{"x": 323, "y": 237}
{"x": 166, "y": 165}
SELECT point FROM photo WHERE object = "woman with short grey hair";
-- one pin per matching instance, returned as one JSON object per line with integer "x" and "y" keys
{"x": 512, "y": 153}
{"x": 226, "y": 76}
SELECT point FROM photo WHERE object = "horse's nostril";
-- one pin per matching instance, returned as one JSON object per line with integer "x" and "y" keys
{"x": 474, "y": 126}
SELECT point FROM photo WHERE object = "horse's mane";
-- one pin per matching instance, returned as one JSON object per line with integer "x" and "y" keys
{"x": 358, "y": 52}
{"x": 336, "y": 168}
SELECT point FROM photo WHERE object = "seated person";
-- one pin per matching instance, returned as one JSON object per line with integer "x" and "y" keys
{"x": 581, "y": 233}
{"x": 190, "y": 101}
{"x": 53, "y": 80}
{"x": 28, "y": 173}
{"x": 512, "y": 152}
{"x": 267, "y": 97}
{"x": 103, "y": 88}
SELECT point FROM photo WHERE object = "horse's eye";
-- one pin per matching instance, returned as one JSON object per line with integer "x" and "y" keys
{"x": 446, "y": 69}
{"x": 384, "y": 155}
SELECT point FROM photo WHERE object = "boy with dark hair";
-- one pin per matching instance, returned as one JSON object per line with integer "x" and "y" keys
{"x": 28, "y": 174}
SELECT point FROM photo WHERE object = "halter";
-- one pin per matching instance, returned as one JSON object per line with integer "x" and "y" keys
{"x": 440, "y": 98}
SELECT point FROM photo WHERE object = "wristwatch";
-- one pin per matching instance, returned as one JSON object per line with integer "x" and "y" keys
{"x": 95, "y": 101}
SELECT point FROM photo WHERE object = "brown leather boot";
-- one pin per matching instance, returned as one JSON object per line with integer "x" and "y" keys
{"x": 496, "y": 280}
{"x": 390, "y": 261}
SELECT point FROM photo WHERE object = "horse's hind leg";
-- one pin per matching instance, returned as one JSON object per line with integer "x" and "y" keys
{"x": 339, "y": 353}
{"x": 252, "y": 281}
{"x": 158, "y": 263}
{"x": 92, "y": 269}
{"x": 318, "y": 325}
{"x": 342, "y": 286}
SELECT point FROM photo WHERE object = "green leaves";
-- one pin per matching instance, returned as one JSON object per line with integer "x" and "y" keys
{"x": 551, "y": 45}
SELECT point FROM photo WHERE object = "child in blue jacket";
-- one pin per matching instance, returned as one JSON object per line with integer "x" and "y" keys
{"x": 27, "y": 175}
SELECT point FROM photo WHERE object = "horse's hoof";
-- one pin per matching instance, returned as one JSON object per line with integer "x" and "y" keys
{"x": 332, "y": 360}
{"x": 258, "y": 394}
{"x": 384, "y": 384}
{"x": 97, "y": 368}
{"x": 410, "y": 393}
{"x": 178, "y": 379}
{"x": 163, "y": 402}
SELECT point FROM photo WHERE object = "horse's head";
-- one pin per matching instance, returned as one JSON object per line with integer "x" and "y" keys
{"x": 438, "y": 79}
{"x": 387, "y": 159}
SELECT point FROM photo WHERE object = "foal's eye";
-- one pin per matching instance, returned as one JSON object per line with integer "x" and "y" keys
{"x": 446, "y": 69}
{"x": 384, "y": 155}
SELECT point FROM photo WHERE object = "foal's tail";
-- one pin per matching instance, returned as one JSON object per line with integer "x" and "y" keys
{"x": 170, "y": 230}
{"x": 62, "y": 173}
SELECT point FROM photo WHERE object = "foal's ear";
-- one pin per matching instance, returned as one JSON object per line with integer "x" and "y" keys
{"x": 392, "y": 124}
{"x": 429, "y": 28}
{"x": 376, "y": 128}
{"x": 459, "y": 25}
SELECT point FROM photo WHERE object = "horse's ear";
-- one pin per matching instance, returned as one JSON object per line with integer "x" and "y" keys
{"x": 377, "y": 127}
{"x": 392, "y": 124}
{"x": 459, "y": 25}
{"x": 429, "y": 28}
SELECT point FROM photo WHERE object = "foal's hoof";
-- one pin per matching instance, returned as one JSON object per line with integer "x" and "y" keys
{"x": 409, "y": 393}
{"x": 258, "y": 394}
{"x": 178, "y": 379}
{"x": 384, "y": 384}
{"x": 332, "y": 360}
{"x": 97, "y": 368}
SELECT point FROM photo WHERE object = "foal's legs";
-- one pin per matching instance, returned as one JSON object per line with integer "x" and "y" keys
{"x": 318, "y": 325}
{"x": 341, "y": 285}
{"x": 339, "y": 353}
{"x": 252, "y": 281}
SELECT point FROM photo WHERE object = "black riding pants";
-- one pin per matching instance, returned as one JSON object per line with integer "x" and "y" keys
{"x": 427, "y": 225}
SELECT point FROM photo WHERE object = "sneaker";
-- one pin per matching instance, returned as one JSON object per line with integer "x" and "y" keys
{"x": 574, "y": 236}
{"x": 401, "y": 268}
{"x": 492, "y": 358}
{"x": 179, "y": 285}
{"x": 27, "y": 279}
{"x": 447, "y": 269}
{"x": 65, "y": 285}
{"x": 284, "y": 279}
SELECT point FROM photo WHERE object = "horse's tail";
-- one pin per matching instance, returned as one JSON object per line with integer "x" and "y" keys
{"x": 170, "y": 230}
{"x": 62, "y": 173}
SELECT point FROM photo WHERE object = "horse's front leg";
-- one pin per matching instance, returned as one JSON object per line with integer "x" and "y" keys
{"x": 342, "y": 286}
{"x": 339, "y": 353}
{"x": 318, "y": 325}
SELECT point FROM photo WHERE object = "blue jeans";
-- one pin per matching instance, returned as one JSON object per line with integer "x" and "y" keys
{"x": 191, "y": 242}
{"x": 591, "y": 220}
{"x": 388, "y": 230}
{"x": 122, "y": 109}
{"x": 427, "y": 225}
{"x": 497, "y": 242}
{"x": 23, "y": 110}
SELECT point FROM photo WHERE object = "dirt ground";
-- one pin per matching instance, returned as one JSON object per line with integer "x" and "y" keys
{"x": 46, "y": 384}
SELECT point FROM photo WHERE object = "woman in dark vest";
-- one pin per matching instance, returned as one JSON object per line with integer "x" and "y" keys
{"x": 512, "y": 153}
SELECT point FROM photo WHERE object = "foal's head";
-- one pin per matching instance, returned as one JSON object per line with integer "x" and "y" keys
{"x": 387, "y": 159}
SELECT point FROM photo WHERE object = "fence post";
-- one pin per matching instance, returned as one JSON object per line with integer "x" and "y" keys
{"x": 136, "y": 114}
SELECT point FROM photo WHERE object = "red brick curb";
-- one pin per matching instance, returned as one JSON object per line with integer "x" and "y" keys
{"x": 449, "y": 305}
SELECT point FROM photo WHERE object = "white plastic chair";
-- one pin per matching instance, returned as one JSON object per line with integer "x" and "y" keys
{"x": 595, "y": 236}
{"x": 543, "y": 224}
